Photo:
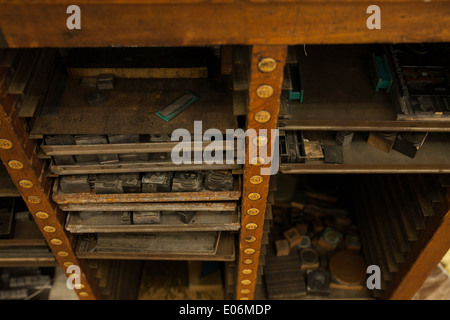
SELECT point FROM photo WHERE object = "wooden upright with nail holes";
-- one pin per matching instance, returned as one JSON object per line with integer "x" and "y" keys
{"x": 26, "y": 170}
{"x": 266, "y": 77}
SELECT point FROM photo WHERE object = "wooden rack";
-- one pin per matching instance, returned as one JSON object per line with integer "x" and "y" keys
{"x": 269, "y": 28}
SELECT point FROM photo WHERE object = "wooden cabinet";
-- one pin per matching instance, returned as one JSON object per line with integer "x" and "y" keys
{"x": 270, "y": 29}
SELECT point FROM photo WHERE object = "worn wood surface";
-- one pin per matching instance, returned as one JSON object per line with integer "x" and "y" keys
{"x": 252, "y": 225}
{"x": 61, "y": 198}
{"x": 140, "y": 73}
{"x": 130, "y": 108}
{"x": 169, "y": 23}
{"x": 22, "y": 164}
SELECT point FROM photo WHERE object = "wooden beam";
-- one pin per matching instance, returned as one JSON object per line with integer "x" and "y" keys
{"x": 172, "y": 23}
{"x": 266, "y": 77}
{"x": 427, "y": 252}
{"x": 25, "y": 170}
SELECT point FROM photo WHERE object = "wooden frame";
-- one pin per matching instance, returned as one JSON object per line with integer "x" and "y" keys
{"x": 25, "y": 169}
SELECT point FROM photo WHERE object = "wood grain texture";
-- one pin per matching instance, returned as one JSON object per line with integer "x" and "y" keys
{"x": 248, "y": 269}
{"x": 169, "y": 23}
{"x": 428, "y": 250}
{"x": 30, "y": 170}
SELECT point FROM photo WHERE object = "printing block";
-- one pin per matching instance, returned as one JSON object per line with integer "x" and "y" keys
{"x": 344, "y": 138}
{"x": 87, "y": 140}
{"x": 131, "y": 182}
{"x": 187, "y": 181}
{"x": 305, "y": 243}
{"x": 108, "y": 183}
{"x": 105, "y": 82}
{"x": 317, "y": 282}
{"x": 88, "y": 82}
{"x": 187, "y": 216}
{"x": 293, "y": 237}
{"x": 333, "y": 154}
{"x": 157, "y": 182}
{"x": 409, "y": 143}
{"x": 352, "y": 242}
{"x": 329, "y": 239}
{"x": 219, "y": 181}
{"x": 382, "y": 140}
{"x": 123, "y": 138}
{"x": 61, "y": 140}
{"x": 75, "y": 184}
{"x": 282, "y": 248}
{"x": 126, "y": 217}
{"x": 146, "y": 217}
{"x": 291, "y": 147}
{"x": 309, "y": 259}
{"x": 95, "y": 98}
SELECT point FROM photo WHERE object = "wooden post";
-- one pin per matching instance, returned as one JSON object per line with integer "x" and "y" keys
{"x": 18, "y": 155}
{"x": 266, "y": 77}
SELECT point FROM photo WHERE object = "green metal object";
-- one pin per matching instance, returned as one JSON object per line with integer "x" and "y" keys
{"x": 380, "y": 73}
{"x": 177, "y": 106}
{"x": 297, "y": 84}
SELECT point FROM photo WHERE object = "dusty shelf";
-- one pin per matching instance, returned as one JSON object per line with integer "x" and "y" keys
{"x": 338, "y": 95}
{"x": 131, "y": 106}
{"x": 360, "y": 157}
{"x": 225, "y": 252}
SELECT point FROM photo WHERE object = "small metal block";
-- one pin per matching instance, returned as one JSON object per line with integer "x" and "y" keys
{"x": 95, "y": 98}
{"x": 146, "y": 217}
{"x": 105, "y": 82}
{"x": 219, "y": 181}
{"x": 88, "y": 82}
{"x": 282, "y": 248}
{"x": 187, "y": 216}
{"x": 131, "y": 182}
{"x": 157, "y": 182}
{"x": 75, "y": 184}
{"x": 318, "y": 282}
{"x": 187, "y": 181}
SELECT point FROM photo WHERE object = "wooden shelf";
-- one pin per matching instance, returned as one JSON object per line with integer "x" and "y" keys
{"x": 225, "y": 252}
{"x": 120, "y": 148}
{"x": 360, "y": 157}
{"x": 130, "y": 108}
{"x": 152, "y": 206}
{"x": 92, "y": 198}
{"x": 338, "y": 95}
{"x": 26, "y": 248}
{"x": 111, "y": 223}
{"x": 143, "y": 166}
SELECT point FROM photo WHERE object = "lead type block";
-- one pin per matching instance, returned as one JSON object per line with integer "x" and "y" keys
{"x": 75, "y": 184}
